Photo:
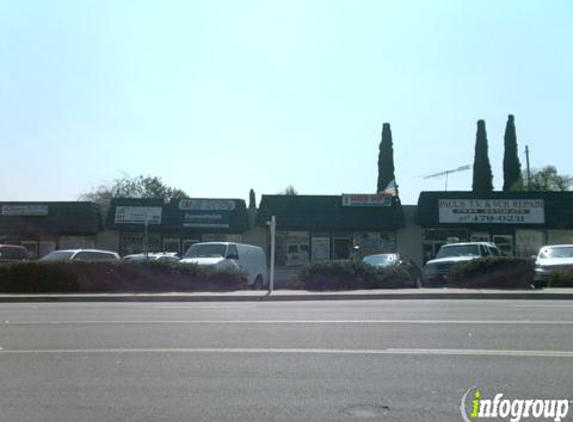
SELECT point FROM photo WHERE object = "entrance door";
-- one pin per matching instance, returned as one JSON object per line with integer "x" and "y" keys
{"x": 341, "y": 247}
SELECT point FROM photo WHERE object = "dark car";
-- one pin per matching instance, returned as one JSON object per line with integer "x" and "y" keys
{"x": 387, "y": 260}
{"x": 11, "y": 253}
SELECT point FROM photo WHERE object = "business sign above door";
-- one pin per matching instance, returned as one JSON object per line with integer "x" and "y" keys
{"x": 366, "y": 200}
{"x": 492, "y": 211}
{"x": 25, "y": 210}
{"x": 210, "y": 219}
{"x": 137, "y": 215}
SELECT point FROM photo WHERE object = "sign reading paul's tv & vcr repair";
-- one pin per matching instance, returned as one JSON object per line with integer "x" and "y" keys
{"x": 492, "y": 211}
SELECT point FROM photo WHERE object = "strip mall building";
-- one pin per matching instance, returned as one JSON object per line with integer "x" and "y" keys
{"x": 309, "y": 228}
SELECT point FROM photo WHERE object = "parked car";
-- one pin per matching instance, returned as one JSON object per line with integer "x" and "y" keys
{"x": 552, "y": 258}
{"x": 153, "y": 256}
{"x": 436, "y": 270}
{"x": 80, "y": 255}
{"x": 11, "y": 253}
{"x": 388, "y": 260}
{"x": 228, "y": 255}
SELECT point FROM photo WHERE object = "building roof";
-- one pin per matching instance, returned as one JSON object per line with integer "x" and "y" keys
{"x": 558, "y": 207}
{"x": 207, "y": 215}
{"x": 50, "y": 217}
{"x": 326, "y": 213}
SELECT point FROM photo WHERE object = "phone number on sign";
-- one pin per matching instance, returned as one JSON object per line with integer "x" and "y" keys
{"x": 499, "y": 219}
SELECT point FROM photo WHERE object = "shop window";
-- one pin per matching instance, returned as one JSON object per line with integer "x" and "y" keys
{"x": 370, "y": 243}
{"x": 341, "y": 247}
{"x": 528, "y": 242}
{"x": 292, "y": 248}
{"x": 504, "y": 242}
{"x": 135, "y": 243}
{"x": 32, "y": 248}
{"x": 187, "y": 243}
{"x": 76, "y": 242}
{"x": 45, "y": 247}
{"x": 320, "y": 247}
{"x": 172, "y": 244}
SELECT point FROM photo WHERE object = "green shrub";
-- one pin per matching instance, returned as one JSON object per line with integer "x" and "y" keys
{"x": 352, "y": 275}
{"x": 498, "y": 273}
{"x": 561, "y": 278}
{"x": 112, "y": 276}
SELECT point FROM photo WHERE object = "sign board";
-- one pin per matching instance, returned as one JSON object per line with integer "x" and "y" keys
{"x": 492, "y": 211}
{"x": 25, "y": 210}
{"x": 213, "y": 219}
{"x": 366, "y": 200}
{"x": 207, "y": 205}
{"x": 138, "y": 215}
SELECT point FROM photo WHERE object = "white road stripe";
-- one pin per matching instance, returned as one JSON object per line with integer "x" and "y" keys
{"x": 255, "y": 322}
{"x": 372, "y": 352}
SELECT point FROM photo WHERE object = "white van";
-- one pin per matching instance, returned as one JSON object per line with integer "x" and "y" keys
{"x": 239, "y": 256}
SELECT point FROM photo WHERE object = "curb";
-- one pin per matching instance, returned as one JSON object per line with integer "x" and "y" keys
{"x": 286, "y": 296}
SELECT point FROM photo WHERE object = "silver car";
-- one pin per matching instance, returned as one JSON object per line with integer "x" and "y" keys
{"x": 552, "y": 258}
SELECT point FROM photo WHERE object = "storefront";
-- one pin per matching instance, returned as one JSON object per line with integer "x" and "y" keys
{"x": 518, "y": 222}
{"x": 45, "y": 226}
{"x": 316, "y": 228}
{"x": 155, "y": 225}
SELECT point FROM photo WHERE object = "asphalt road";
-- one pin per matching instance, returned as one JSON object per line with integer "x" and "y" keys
{"x": 278, "y": 361}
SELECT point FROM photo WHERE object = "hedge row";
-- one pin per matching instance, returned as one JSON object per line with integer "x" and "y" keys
{"x": 562, "y": 278}
{"x": 496, "y": 273}
{"x": 352, "y": 275}
{"x": 111, "y": 276}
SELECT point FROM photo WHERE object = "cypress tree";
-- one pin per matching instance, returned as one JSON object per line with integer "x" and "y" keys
{"x": 483, "y": 177}
{"x": 385, "y": 159}
{"x": 252, "y": 200}
{"x": 512, "y": 179}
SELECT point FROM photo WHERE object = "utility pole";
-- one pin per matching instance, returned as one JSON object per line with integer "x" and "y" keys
{"x": 528, "y": 170}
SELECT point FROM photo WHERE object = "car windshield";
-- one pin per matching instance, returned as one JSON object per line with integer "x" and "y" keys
{"x": 382, "y": 260}
{"x": 57, "y": 256}
{"x": 458, "y": 250}
{"x": 206, "y": 251}
{"x": 7, "y": 252}
{"x": 557, "y": 252}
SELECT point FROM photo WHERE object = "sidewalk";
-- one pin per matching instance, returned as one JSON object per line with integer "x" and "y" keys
{"x": 292, "y": 295}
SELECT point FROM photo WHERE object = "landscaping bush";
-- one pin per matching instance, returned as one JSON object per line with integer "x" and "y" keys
{"x": 493, "y": 273}
{"x": 111, "y": 276}
{"x": 561, "y": 278}
{"x": 352, "y": 275}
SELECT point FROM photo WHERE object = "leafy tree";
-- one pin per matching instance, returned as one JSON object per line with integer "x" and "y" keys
{"x": 547, "y": 179}
{"x": 132, "y": 187}
{"x": 512, "y": 179}
{"x": 252, "y": 199}
{"x": 289, "y": 190}
{"x": 385, "y": 159}
{"x": 483, "y": 176}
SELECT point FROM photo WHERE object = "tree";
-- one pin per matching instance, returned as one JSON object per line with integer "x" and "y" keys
{"x": 512, "y": 179}
{"x": 483, "y": 176}
{"x": 252, "y": 200}
{"x": 547, "y": 179}
{"x": 289, "y": 190}
{"x": 385, "y": 159}
{"x": 132, "y": 187}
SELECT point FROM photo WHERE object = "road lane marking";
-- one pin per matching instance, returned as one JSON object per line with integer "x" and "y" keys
{"x": 543, "y": 306}
{"x": 263, "y": 322}
{"x": 370, "y": 352}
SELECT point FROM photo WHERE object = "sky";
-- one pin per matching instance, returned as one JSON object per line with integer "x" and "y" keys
{"x": 218, "y": 97}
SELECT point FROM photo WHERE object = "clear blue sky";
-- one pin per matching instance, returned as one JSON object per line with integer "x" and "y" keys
{"x": 218, "y": 97}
